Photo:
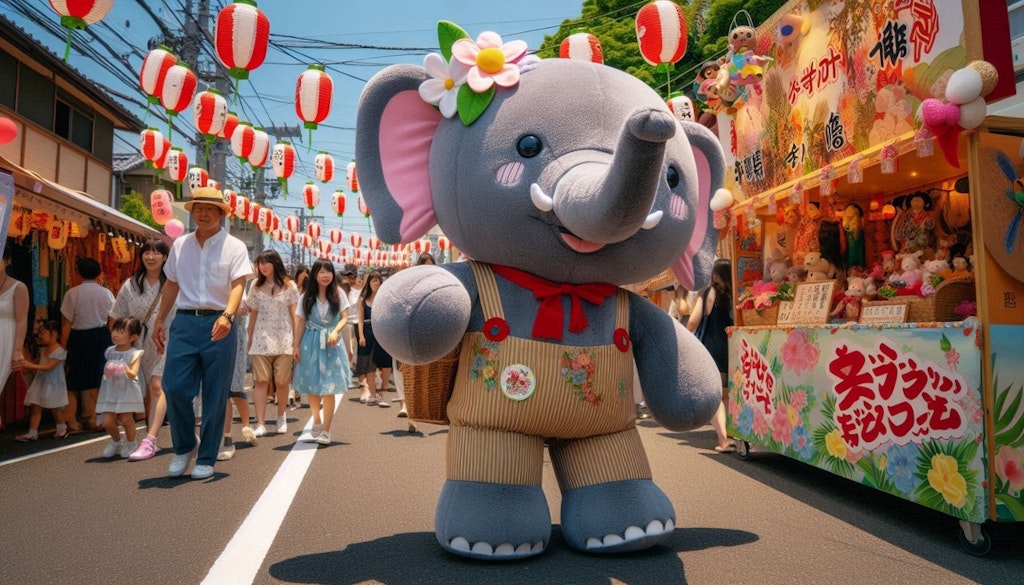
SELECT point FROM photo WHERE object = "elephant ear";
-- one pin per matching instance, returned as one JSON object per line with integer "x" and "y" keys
{"x": 693, "y": 268}
{"x": 394, "y": 131}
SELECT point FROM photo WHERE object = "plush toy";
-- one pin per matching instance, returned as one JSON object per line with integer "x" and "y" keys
{"x": 849, "y": 305}
{"x": 818, "y": 267}
{"x": 933, "y": 271}
{"x": 961, "y": 269}
{"x": 908, "y": 280}
{"x": 562, "y": 180}
{"x": 777, "y": 267}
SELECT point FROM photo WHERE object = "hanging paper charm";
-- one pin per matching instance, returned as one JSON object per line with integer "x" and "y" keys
{"x": 78, "y": 14}
{"x": 311, "y": 195}
{"x": 855, "y": 172}
{"x": 176, "y": 94}
{"x": 924, "y": 142}
{"x": 314, "y": 92}
{"x": 797, "y": 195}
{"x": 581, "y": 46}
{"x": 283, "y": 161}
{"x": 323, "y": 166}
{"x": 241, "y": 37}
{"x": 338, "y": 202}
{"x": 827, "y": 175}
{"x": 890, "y": 159}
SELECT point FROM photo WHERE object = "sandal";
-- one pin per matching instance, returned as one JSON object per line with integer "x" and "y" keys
{"x": 59, "y": 436}
{"x": 371, "y": 401}
{"x": 729, "y": 449}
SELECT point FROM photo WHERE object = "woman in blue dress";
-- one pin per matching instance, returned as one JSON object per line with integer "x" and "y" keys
{"x": 321, "y": 362}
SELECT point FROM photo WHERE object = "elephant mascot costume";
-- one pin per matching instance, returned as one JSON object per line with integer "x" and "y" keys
{"x": 561, "y": 180}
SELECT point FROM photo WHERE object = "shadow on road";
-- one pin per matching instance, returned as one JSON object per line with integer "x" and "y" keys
{"x": 416, "y": 558}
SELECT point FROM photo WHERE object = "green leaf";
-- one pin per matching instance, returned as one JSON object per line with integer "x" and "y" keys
{"x": 1015, "y": 507}
{"x": 1005, "y": 417}
{"x": 471, "y": 104}
{"x": 447, "y": 34}
{"x": 944, "y": 343}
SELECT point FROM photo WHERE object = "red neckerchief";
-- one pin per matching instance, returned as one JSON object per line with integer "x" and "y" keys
{"x": 550, "y": 316}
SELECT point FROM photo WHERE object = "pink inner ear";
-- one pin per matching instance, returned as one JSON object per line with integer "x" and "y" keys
{"x": 407, "y": 129}
{"x": 683, "y": 267}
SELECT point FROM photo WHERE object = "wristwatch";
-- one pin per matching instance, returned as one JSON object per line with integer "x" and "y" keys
{"x": 229, "y": 316}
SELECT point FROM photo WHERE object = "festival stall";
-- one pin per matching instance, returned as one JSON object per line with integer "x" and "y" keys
{"x": 878, "y": 258}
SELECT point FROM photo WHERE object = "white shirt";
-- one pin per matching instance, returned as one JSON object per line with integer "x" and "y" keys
{"x": 322, "y": 308}
{"x": 87, "y": 305}
{"x": 204, "y": 273}
{"x": 353, "y": 296}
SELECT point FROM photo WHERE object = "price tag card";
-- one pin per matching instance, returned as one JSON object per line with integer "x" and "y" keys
{"x": 785, "y": 313}
{"x": 884, "y": 313}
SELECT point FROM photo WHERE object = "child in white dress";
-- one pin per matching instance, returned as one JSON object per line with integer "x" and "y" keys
{"x": 120, "y": 390}
{"x": 49, "y": 388}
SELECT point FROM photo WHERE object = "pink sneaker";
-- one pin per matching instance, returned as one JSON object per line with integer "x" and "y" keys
{"x": 145, "y": 450}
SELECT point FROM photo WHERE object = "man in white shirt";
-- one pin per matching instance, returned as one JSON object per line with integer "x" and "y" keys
{"x": 206, "y": 273}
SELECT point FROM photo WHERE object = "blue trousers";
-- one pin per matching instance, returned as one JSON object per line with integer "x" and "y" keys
{"x": 197, "y": 366}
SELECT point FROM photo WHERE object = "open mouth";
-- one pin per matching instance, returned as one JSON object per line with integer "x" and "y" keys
{"x": 581, "y": 246}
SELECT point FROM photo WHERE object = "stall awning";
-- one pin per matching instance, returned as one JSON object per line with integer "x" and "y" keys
{"x": 70, "y": 204}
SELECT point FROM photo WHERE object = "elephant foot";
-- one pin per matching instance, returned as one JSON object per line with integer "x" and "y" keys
{"x": 618, "y": 516}
{"x": 492, "y": 521}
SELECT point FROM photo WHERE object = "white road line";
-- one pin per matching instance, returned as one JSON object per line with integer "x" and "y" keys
{"x": 244, "y": 554}
{"x": 104, "y": 437}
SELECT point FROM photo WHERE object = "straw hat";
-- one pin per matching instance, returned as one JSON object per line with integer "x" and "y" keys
{"x": 208, "y": 195}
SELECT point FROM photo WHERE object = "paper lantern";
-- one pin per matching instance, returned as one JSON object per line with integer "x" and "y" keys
{"x": 264, "y": 220}
{"x": 210, "y": 114}
{"x": 276, "y": 235}
{"x": 325, "y": 247}
{"x": 305, "y": 240}
{"x": 154, "y": 69}
{"x": 682, "y": 108}
{"x": 257, "y": 157}
{"x": 230, "y": 123}
{"x": 581, "y": 46}
{"x": 311, "y": 195}
{"x": 444, "y": 243}
{"x": 336, "y": 235}
{"x": 661, "y": 32}
{"x": 287, "y": 237}
{"x": 275, "y": 220}
{"x": 242, "y": 141}
{"x": 291, "y": 223}
{"x": 197, "y": 177}
{"x": 323, "y": 166}
{"x": 160, "y": 206}
{"x": 356, "y": 240}
{"x": 363, "y": 207}
{"x": 154, "y": 146}
{"x": 888, "y": 211}
{"x": 314, "y": 92}
{"x": 313, "y": 229}
{"x": 213, "y": 184}
{"x": 176, "y": 94}
{"x": 373, "y": 243}
{"x": 78, "y": 14}
{"x": 56, "y": 233}
{"x": 242, "y": 208}
{"x": 241, "y": 36}
{"x": 350, "y": 177}
{"x": 8, "y": 130}
{"x": 176, "y": 165}
{"x": 232, "y": 198}
{"x": 254, "y": 213}
{"x": 283, "y": 161}
{"x": 338, "y": 202}
{"x": 122, "y": 254}
{"x": 174, "y": 229}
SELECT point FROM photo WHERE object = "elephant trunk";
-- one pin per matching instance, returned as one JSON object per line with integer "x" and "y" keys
{"x": 609, "y": 202}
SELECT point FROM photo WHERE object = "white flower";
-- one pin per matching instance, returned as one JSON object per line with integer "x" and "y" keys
{"x": 442, "y": 88}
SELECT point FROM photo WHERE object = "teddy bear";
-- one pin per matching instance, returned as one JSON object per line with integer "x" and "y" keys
{"x": 933, "y": 271}
{"x": 563, "y": 181}
{"x": 849, "y": 305}
{"x": 908, "y": 280}
{"x": 818, "y": 267}
{"x": 777, "y": 267}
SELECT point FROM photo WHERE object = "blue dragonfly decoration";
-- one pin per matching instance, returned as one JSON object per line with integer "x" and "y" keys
{"x": 1016, "y": 194}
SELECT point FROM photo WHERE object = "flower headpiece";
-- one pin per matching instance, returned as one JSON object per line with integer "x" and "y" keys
{"x": 464, "y": 75}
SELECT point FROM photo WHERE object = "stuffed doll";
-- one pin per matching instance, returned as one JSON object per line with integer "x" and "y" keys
{"x": 562, "y": 180}
{"x": 777, "y": 267}
{"x": 961, "y": 269}
{"x": 849, "y": 305}
{"x": 818, "y": 267}
{"x": 908, "y": 280}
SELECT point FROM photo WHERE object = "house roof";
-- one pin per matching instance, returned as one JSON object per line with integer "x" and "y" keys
{"x": 80, "y": 86}
{"x": 127, "y": 162}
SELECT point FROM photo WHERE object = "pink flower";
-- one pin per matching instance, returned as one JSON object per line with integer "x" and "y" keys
{"x": 734, "y": 409}
{"x": 760, "y": 425}
{"x": 490, "y": 61}
{"x": 798, "y": 399}
{"x": 782, "y": 428}
{"x": 797, "y": 352}
{"x": 442, "y": 88}
{"x": 1010, "y": 468}
{"x": 953, "y": 357}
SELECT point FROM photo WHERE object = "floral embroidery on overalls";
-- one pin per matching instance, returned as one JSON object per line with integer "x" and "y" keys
{"x": 518, "y": 382}
{"x": 485, "y": 363}
{"x": 578, "y": 370}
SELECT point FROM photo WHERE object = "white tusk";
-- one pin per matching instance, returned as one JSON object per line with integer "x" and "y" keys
{"x": 541, "y": 200}
{"x": 653, "y": 220}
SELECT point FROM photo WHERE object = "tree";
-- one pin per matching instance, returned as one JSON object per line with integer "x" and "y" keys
{"x": 613, "y": 22}
{"x": 135, "y": 207}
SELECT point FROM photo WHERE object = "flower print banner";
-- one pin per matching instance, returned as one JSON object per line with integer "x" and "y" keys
{"x": 853, "y": 81}
{"x": 896, "y": 408}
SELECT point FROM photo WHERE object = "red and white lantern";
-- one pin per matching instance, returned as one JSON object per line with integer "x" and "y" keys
{"x": 176, "y": 165}
{"x": 323, "y": 166}
{"x": 232, "y": 198}
{"x": 283, "y": 161}
{"x": 210, "y": 113}
{"x": 179, "y": 87}
{"x": 338, "y": 202}
{"x": 78, "y": 14}
{"x": 230, "y": 123}
{"x": 254, "y": 213}
{"x": 373, "y": 243}
{"x": 581, "y": 46}
{"x": 276, "y": 235}
{"x": 444, "y": 243}
{"x": 154, "y": 69}
{"x": 311, "y": 195}
{"x": 287, "y": 237}
{"x": 363, "y": 207}
{"x": 291, "y": 223}
{"x": 661, "y": 32}
{"x": 305, "y": 240}
{"x": 154, "y": 146}
{"x": 197, "y": 177}
{"x": 213, "y": 184}
{"x": 260, "y": 149}
{"x": 356, "y": 240}
{"x": 242, "y": 140}
{"x": 265, "y": 219}
{"x": 325, "y": 247}
{"x": 160, "y": 206}
{"x": 242, "y": 208}
{"x": 350, "y": 177}
{"x": 241, "y": 37}
{"x": 336, "y": 236}
{"x": 314, "y": 230}
{"x": 314, "y": 92}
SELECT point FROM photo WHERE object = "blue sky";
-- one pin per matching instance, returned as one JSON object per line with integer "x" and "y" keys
{"x": 268, "y": 98}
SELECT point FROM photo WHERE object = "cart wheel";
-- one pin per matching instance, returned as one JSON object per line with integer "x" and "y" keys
{"x": 743, "y": 450}
{"x": 980, "y": 547}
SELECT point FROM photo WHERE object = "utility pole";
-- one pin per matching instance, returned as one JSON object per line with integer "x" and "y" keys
{"x": 259, "y": 190}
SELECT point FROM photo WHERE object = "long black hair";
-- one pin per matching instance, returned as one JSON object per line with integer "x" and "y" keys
{"x": 313, "y": 288}
{"x": 721, "y": 281}
{"x": 155, "y": 245}
{"x": 274, "y": 259}
{"x": 367, "y": 291}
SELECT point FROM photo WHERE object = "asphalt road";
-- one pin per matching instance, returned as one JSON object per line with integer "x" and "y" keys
{"x": 360, "y": 511}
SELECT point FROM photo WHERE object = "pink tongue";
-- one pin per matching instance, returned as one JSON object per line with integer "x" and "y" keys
{"x": 581, "y": 246}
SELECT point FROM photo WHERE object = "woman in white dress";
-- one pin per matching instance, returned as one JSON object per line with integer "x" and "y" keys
{"x": 139, "y": 297}
{"x": 13, "y": 321}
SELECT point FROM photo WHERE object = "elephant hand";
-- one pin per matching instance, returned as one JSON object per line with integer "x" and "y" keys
{"x": 420, "y": 314}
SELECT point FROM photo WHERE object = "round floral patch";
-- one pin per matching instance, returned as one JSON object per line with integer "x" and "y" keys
{"x": 518, "y": 382}
{"x": 495, "y": 329}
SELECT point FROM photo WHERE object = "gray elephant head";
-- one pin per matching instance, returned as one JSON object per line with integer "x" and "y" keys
{"x": 579, "y": 173}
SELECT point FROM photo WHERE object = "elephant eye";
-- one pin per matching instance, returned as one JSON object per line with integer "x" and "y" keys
{"x": 673, "y": 177}
{"x": 529, "y": 146}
